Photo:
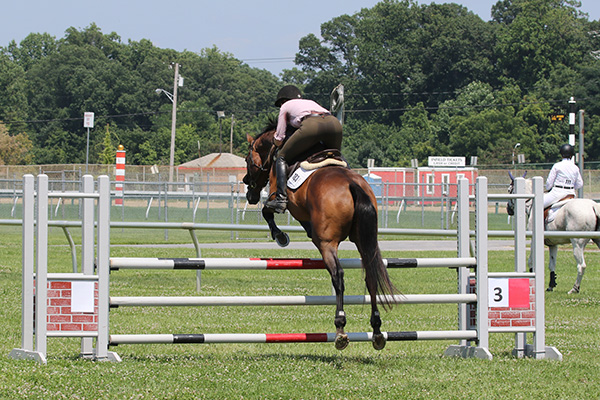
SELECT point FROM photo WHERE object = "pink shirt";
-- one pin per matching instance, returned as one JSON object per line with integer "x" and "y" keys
{"x": 292, "y": 112}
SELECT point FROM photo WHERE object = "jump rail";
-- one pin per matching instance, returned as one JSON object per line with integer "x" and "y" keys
{"x": 117, "y": 263}
{"x": 287, "y": 337}
{"x": 212, "y": 301}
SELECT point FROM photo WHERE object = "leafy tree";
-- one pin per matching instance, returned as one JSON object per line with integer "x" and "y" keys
{"x": 14, "y": 150}
{"x": 536, "y": 36}
{"x": 34, "y": 48}
{"x": 419, "y": 80}
{"x": 491, "y": 135}
{"x": 370, "y": 140}
{"x": 13, "y": 102}
{"x": 399, "y": 52}
{"x": 108, "y": 153}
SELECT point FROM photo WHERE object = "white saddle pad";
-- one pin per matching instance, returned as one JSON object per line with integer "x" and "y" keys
{"x": 298, "y": 178}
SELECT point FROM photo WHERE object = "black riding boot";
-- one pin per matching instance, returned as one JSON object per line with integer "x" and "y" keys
{"x": 279, "y": 203}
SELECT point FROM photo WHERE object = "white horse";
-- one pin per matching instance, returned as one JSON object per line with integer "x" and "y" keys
{"x": 574, "y": 215}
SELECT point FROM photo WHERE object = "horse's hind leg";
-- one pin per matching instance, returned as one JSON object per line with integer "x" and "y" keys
{"x": 379, "y": 340}
{"x": 553, "y": 252}
{"x": 329, "y": 253}
{"x": 578, "y": 248}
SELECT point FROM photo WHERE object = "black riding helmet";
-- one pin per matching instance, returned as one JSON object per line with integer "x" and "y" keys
{"x": 567, "y": 151}
{"x": 287, "y": 93}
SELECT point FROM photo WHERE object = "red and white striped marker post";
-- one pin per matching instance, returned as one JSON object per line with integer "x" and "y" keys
{"x": 120, "y": 175}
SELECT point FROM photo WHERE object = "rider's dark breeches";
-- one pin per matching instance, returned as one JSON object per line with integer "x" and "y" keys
{"x": 326, "y": 129}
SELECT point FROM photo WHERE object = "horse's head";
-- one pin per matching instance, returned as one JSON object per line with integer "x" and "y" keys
{"x": 258, "y": 164}
{"x": 510, "y": 205}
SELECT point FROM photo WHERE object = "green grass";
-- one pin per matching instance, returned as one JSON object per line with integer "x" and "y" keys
{"x": 413, "y": 370}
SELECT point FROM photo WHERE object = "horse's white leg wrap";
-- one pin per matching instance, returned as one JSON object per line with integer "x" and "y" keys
{"x": 578, "y": 248}
{"x": 552, "y": 251}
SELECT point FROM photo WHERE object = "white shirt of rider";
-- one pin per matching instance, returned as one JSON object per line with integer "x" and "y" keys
{"x": 566, "y": 174}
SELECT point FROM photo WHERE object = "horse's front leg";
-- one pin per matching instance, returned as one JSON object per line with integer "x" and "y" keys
{"x": 578, "y": 248}
{"x": 553, "y": 252}
{"x": 337, "y": 279}
{"x": 277, "y": 234}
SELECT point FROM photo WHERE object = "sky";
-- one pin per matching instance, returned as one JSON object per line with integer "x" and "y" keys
{"x": 262, "y": 33}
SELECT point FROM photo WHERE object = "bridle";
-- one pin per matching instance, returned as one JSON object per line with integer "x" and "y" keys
{"x": 511, "y": 202}
{"x": 251, "y": 149}
{"x": 264, "y": 167}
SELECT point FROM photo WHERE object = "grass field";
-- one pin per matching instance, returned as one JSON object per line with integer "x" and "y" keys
{"x": 411, "y": 370}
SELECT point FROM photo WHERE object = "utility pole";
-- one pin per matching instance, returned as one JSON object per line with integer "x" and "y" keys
{"x": 220, "y": 115}
{"x": 231, "y": 136}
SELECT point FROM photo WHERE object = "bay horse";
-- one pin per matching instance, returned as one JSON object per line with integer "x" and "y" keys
{"x": 575, "y": 215}
{"x": 333, "y": 204}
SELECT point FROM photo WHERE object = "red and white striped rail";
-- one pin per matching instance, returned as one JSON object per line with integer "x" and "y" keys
{"x": 286, "y": 337}
{"x": 117, "y": 263}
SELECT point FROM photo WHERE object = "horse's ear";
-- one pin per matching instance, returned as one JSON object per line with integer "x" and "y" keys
{"x": 512, "y": 178}
{"x": 249, "y": 138}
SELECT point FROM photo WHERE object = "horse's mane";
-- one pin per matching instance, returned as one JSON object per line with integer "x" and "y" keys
{"x": 271, "y": 126}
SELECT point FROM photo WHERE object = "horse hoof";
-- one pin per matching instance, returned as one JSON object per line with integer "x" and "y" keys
{"x": 550, "y": 289}
{"x": 379, "y": 341}
{"x": 341, "y": 341}
{"x": 574, "y": 291}
{"x": 282, "y": 239}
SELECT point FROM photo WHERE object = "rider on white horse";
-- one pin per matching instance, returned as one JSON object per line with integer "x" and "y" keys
{"x": 564, "y": 178}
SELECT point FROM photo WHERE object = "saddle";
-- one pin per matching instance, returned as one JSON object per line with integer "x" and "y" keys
{"x": 302, "y": 169}
{"x": 547, "y": 209}
{"x": 324, "y": 158}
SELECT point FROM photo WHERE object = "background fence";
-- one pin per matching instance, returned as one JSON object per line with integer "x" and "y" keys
{"x": 213, "y": 195}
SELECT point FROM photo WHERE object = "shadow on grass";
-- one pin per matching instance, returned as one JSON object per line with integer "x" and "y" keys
{"x": 337, "y": 361}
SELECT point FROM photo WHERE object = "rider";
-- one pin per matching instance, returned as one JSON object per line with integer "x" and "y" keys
{"x": 314, "y": 124}
{"x": 564, "y": 177}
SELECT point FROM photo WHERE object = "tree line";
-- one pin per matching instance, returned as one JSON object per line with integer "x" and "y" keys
{"x": 420, "y": 80}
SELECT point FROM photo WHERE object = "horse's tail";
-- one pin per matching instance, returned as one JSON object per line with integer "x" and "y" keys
{"x": 597, "y": 211}
{"x": 364, "y": 227}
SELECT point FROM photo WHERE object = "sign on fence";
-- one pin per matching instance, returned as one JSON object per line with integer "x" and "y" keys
{"x": 446, "y": 161}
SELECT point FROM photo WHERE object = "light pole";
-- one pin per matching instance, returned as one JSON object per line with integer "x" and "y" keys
{"x": 220, "y": 114}
{"x": 173, "y": 98}
{"x": 168, "y": 94}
